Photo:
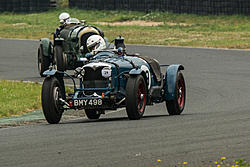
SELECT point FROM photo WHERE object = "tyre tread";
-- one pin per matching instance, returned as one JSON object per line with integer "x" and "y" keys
{"x": 172, "y": 105}
{"x": 131, "y": 98}
{"x": 52, "y": 116}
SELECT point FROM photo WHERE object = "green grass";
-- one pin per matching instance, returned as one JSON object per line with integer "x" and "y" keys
{"x": 223, "y": 162}
{"x": 177, "y": 30}
{"x": 19, "y": 97}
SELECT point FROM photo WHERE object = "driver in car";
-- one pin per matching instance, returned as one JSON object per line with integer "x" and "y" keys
{"x": 95, "y": 43}
{"x": 63, "y": 17}
{"x": 67, "y": 21}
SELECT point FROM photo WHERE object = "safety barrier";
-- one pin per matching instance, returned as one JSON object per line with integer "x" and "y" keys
{"x": 203, "y": 7}
{"x": 24, "y": 5}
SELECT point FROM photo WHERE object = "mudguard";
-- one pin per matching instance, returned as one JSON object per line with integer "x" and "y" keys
{"x": 50, "y": 72}
{"x": 135, "y": 71}
{"x": 58, "y": 41}
{"x": 46, "y": 45}
{"x": 53, "y": 72}
{"x": 170, "y": 81}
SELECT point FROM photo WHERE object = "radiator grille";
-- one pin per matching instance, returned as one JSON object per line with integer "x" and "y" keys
{"x": 94, "y": 79}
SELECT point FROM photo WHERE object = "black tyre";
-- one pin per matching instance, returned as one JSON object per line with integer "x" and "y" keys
{"x": 59, "y": 58}
{"x": 43, "y": 61}
{"x": 136, "y": 97}
{"x": 92, "y": 114}
{"x": 176, "y": 106}
{"x": 52, "y": 91}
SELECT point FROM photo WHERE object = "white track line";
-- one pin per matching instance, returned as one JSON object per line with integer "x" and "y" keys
{"x": 118, "y": 110}
{"x": 18, "y": 39}
{"x": 185, "y": 47}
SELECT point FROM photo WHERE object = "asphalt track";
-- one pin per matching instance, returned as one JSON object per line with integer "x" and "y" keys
{"x": 215, "y": 122}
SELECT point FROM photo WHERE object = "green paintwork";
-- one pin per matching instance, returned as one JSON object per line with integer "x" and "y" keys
{"x": 70, "y": 38}
{"x": 46, "y": 45}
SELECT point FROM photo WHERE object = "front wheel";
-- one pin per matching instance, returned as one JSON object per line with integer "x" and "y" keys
{"x": 136, "y": 97}
{"x": 92, "y": 114}
{"x": 52, "y": 92}
{"x": 176, "y": 106}
{"x": 60, "y": 58}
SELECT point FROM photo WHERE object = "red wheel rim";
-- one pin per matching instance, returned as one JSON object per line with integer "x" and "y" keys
{"x": 141, "y": 97}
{"x": 181, "y": 93}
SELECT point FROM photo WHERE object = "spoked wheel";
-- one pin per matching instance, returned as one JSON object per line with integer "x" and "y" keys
{"x": 59, "y": 58}
{"x": 43, "y": 61}
{"x": 136, "y": 97}
{"x": 52, "y": 92}
{"x": 92, "y": 114}
{"x": 176, "y": 106}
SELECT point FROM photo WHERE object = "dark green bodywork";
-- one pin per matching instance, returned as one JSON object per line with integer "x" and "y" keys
{"x": 72, "y": 39}
{"x": 47, "y": 46}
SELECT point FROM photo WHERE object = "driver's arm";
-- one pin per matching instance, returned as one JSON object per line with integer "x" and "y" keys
{"x": 59, "y": 29}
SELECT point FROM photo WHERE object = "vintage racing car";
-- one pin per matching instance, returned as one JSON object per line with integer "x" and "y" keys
{"x": 111, "y": 79}
{"x": 68, "y": 46}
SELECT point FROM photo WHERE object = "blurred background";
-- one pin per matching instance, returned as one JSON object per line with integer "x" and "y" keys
{"x": 201, "y": 7}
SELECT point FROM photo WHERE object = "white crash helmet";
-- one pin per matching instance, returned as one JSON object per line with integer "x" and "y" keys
{"x": 63, "y": 17}
{"x": 95, "y": 43}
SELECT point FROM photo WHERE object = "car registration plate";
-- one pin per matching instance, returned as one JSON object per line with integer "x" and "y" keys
{"x": 88, "y": 102}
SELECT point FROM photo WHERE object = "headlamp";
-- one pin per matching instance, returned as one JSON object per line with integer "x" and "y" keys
{"x": 83, "y": 72}
{"x": 79, "y": 72}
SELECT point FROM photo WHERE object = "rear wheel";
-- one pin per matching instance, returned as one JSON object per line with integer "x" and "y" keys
{"x": 52, "y": 91}
{"x": 136, "y": 97}
{"x": 59, "y": 58}
{"x": 92, "y": 114}
{"x": 176, "y": 106}
{"x": 43, "y": 61}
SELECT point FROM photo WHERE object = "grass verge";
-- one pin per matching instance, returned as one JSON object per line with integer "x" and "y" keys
{"x": 19, "y": 97}
{"x": 223, "y": 162}
{"x": 177, "y": 29}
